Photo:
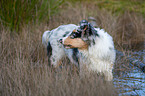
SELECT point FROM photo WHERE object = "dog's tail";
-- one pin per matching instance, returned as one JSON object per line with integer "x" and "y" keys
{"x": 45, "y": 38}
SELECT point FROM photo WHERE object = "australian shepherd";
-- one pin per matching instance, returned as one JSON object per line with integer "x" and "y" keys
{"x": 96, "y": 49}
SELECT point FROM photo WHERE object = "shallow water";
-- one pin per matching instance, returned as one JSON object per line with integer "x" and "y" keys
{"x": 133, "y": 82}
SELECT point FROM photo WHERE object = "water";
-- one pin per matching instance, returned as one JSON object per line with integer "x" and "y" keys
{"x": 132, "y": 82}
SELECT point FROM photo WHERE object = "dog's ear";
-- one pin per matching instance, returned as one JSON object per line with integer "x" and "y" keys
{"x": 87, "y": 29}
{"x": 92, "y": 30}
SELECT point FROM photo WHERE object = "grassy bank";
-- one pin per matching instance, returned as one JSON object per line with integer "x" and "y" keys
{"x": 123, "y": 19}
{"x": 23, "y": 59}
{"x": 15, "y": 13}
{"x": 24, "y": 70}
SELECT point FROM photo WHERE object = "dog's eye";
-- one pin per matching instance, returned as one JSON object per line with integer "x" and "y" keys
{"x": 75, "y": 35}
{"x": 72, "y": 37}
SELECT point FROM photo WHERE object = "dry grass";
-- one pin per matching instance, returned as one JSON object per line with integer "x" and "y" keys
{"x": 24, "y": 68}
{"x": 126, "y": 29}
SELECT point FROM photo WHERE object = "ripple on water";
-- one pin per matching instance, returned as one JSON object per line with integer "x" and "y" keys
{"x": 131, "y": 84}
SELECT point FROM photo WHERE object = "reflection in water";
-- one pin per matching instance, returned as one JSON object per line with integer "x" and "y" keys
{"x": 132, "y": 83}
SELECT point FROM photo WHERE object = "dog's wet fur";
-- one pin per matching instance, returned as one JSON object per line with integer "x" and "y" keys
{"x": 96, "y": 49}
{"x": 91, "y": 49}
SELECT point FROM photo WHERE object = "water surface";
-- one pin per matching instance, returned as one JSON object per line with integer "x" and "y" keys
{"x": 133, "y": 81}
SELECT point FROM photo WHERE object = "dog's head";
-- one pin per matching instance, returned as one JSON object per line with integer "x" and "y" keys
{"x": 80, "y": 38}
{"x": 74, "y": 41}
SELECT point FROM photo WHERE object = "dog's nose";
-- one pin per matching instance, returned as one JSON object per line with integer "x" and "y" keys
{"x": 60, "y": 40}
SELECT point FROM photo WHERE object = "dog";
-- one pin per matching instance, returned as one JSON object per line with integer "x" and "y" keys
{"x": 55, "y": 50}
{"x": 96, "y": 49}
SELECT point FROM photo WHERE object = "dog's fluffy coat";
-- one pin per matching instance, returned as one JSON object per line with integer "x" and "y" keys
{"x": 97, "y": 54}
{"x": 55, "y": 50}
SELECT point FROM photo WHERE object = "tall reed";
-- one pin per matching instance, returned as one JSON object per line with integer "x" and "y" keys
{"x": 15, "y": 13}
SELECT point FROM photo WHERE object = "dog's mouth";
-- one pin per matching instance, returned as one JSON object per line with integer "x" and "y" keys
{"x": 67, "y": 46}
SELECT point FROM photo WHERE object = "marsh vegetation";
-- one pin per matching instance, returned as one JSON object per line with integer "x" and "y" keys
{"x": 24, "y": 67}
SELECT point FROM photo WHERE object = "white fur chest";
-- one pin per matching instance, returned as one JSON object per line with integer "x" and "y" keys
{"x": 100, "y": 56}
